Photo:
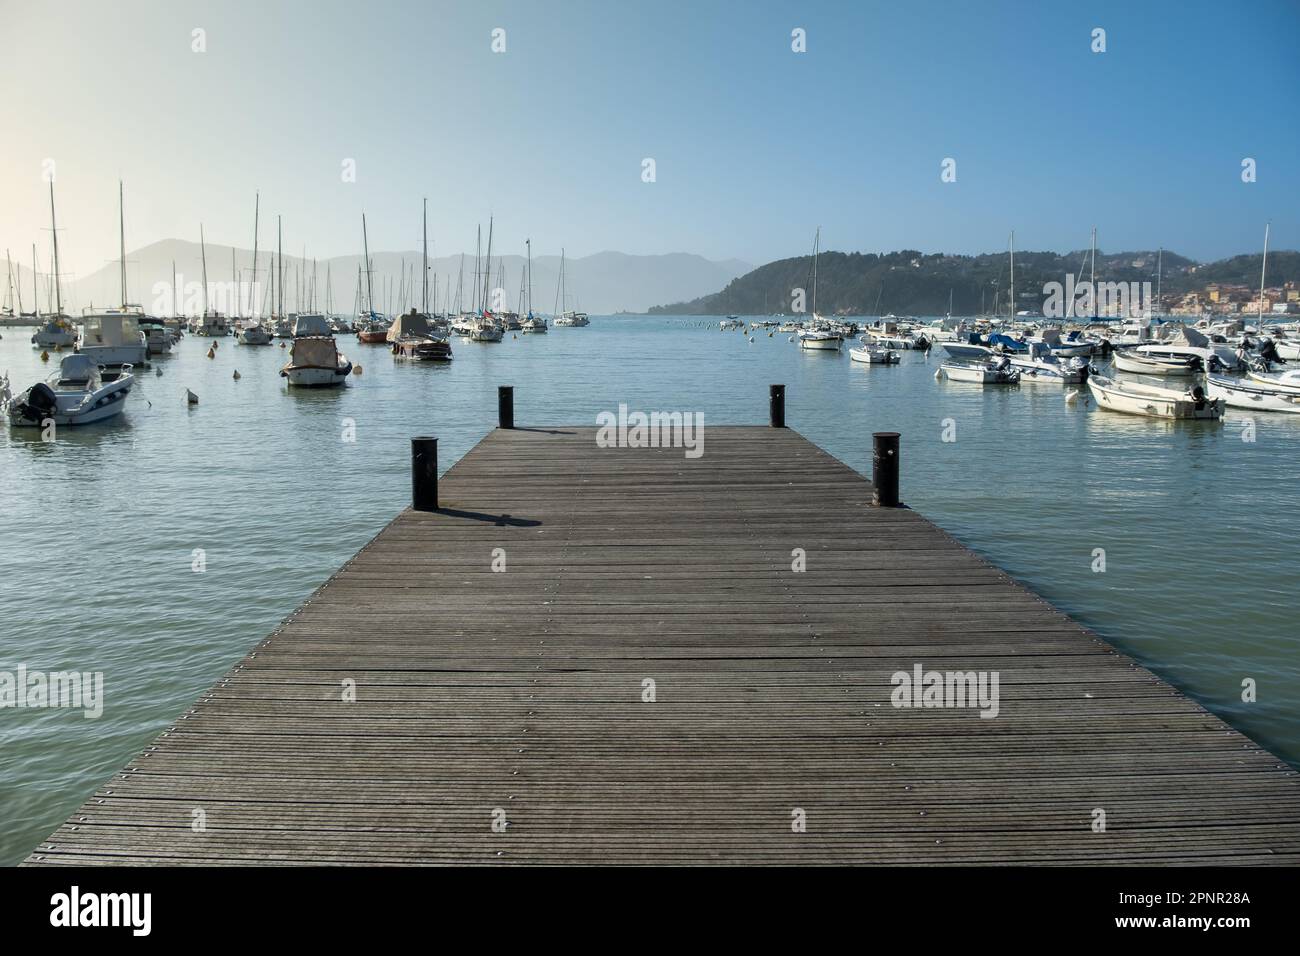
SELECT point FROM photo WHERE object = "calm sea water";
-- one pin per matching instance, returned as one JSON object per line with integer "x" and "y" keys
{"x": 98, "y": 529}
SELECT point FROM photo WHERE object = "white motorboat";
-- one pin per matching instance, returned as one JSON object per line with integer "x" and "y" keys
{"x": 1188, "y": 343}
{"x": 820, "y": 338}
{"x": 873, "y": 354}
{"x": 1042, "y": 364}
{"x": 75, "y": 395}
{"x": 57, "y": 332}
{"x": 573, "y": 319}
{"x": 412, "y": 337}
{"x": 257, "y": 334}
{"x": 157, "y": 336}
{"x": 1288, "y": 381}
{"x": 314, "y": 359}
{"x": 1172, "y": 365}
{"x": 113, "y": 339}
{"x": 998, "y": 371}
{"x": 534, "y": 324}
{"x": 731, "y": 323}
{"x": 1153, "y": 401}
{"x": 1246, "y": 394}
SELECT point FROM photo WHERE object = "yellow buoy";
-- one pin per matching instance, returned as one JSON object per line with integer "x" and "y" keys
{"x": 45, "y": 356}
{"x": 356, "y": 370}
{"x": 212, "y": 353}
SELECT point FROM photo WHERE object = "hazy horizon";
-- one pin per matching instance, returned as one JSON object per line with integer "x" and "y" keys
{"x": 754, "y": 145}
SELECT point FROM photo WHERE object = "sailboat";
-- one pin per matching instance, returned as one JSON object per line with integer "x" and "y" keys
{"x": 413, "y": 335}
{"x": 563, "y": 317}
{"x": 372, "y": 328}
{"x": 533, "y": 324}
{"x": 819, "y": 336}
{"x": 254, "y": 332}
{"x": 55, "y": 331}
{"x": 485, "y": 327}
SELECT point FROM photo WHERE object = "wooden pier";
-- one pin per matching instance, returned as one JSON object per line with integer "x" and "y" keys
{"x": 505, "y": 716}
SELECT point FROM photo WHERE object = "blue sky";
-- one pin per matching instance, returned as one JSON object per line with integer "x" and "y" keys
{"x": 754, "y": 145}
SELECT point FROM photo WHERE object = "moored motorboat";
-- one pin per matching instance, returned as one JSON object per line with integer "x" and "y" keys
{"x": 1249, "y": 394}
{"x": 113, "y": 339}
{"x": 75, "y": 395}
{"x": 872, "y": 354}
{"x": 412, "y": 337}
{"x": 1042, "y": 364}
{"x": 1165, "y": 365}
{"x": 314, "y": 359}
{"x": 1153, "y": 401}
{"x": 997, "y": 371}
{"x": 254, "y": 334}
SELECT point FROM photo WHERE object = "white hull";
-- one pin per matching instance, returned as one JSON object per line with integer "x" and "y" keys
{"x": 1143, "y": 365}
{"x": 54, "y": 339}
{"x": 255, "y": 336}
{"x": 820, "y": 342}
{"x": 312, "y": 377}
{"x": 1151, "y": 401}
{"x": 113, "y": 355}
{"x": 83, "y": 402}
{"x": 979, "y": 374}
{"x": 1288, "y": 382}
{"x": 1033, "y": 370}
{"x": 1241, "y": 395}
{"x": 874, "y": 356}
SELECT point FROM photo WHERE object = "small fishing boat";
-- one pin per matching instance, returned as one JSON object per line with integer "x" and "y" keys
{"x": 1042, "y": 364}
{"x": 314, "y": 359}
{"x": 1170, "y": 365}
{"x": 1242, "y": 394}
{"x": 998, "y": 371}
{"x": 1154, "y": 401}
{"x": 412, "y": 337}
{"x": 75, "y": 395}
{"x": 1288, "y": 381}
{"x": 534, "y": 324}
{"x": 820, "y": 338}
{"x": 872, "y": 354}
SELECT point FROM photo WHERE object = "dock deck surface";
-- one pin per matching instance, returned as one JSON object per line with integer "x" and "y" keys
{"x": 518, "y": 695}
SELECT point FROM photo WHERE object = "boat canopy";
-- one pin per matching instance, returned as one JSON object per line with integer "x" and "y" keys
{"x": 111, "y": 328}
{"x": 78, "y": 368}
{"x": 311, "y": 325}
{"x": 410, "y": 325}
{"x": 1190, "y": 337}
{"x": 1006, "y": 341}
{"x": 314, "y": 352}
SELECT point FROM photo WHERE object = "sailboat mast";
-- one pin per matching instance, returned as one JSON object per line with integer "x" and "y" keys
{"x": 203, "y": 253}
{"x": 1262, "y": 267}
{"x": 36, "y": 291}
{"x": 1011, "y": 305}
{"x": 279, "y": 263}
{"x": 58, "y": 297}
{"x": 252, "y": 292}
{"x": 121, "y": 228}
{"x": 816, "y": 246}
{"x": 529, "y": 244}
{"x": 1092, "y": 279}
{"x": 370, "y": 292}
{"x": 1160, "y": 263}
{"x": 424, "y": 273}
{"x": 176, "y": 293}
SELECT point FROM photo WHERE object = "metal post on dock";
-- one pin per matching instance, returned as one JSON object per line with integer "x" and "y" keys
{"x": 506, "y": 406}
{"x": 777, "y": 401}
{"x": 884, "y": 469}
{"x": 424, "y": 473}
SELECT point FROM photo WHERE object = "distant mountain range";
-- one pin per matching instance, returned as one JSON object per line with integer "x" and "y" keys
{"x": 909, "y": 282}
{"x": 603, "y": 283}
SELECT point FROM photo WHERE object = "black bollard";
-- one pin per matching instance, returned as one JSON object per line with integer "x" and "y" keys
{"x": 777, "y": 402}
{"x": 505, "y": 406}
{"x": 884, "y": 469}
{"x": 424, "y": 474}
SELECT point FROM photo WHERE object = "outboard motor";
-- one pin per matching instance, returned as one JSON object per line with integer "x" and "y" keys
{"x": 1198, "y": 395}
{"x": 1268, "y": 352}
{"x": 1002, "y": 363}
{"x": 37, "y": 404}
